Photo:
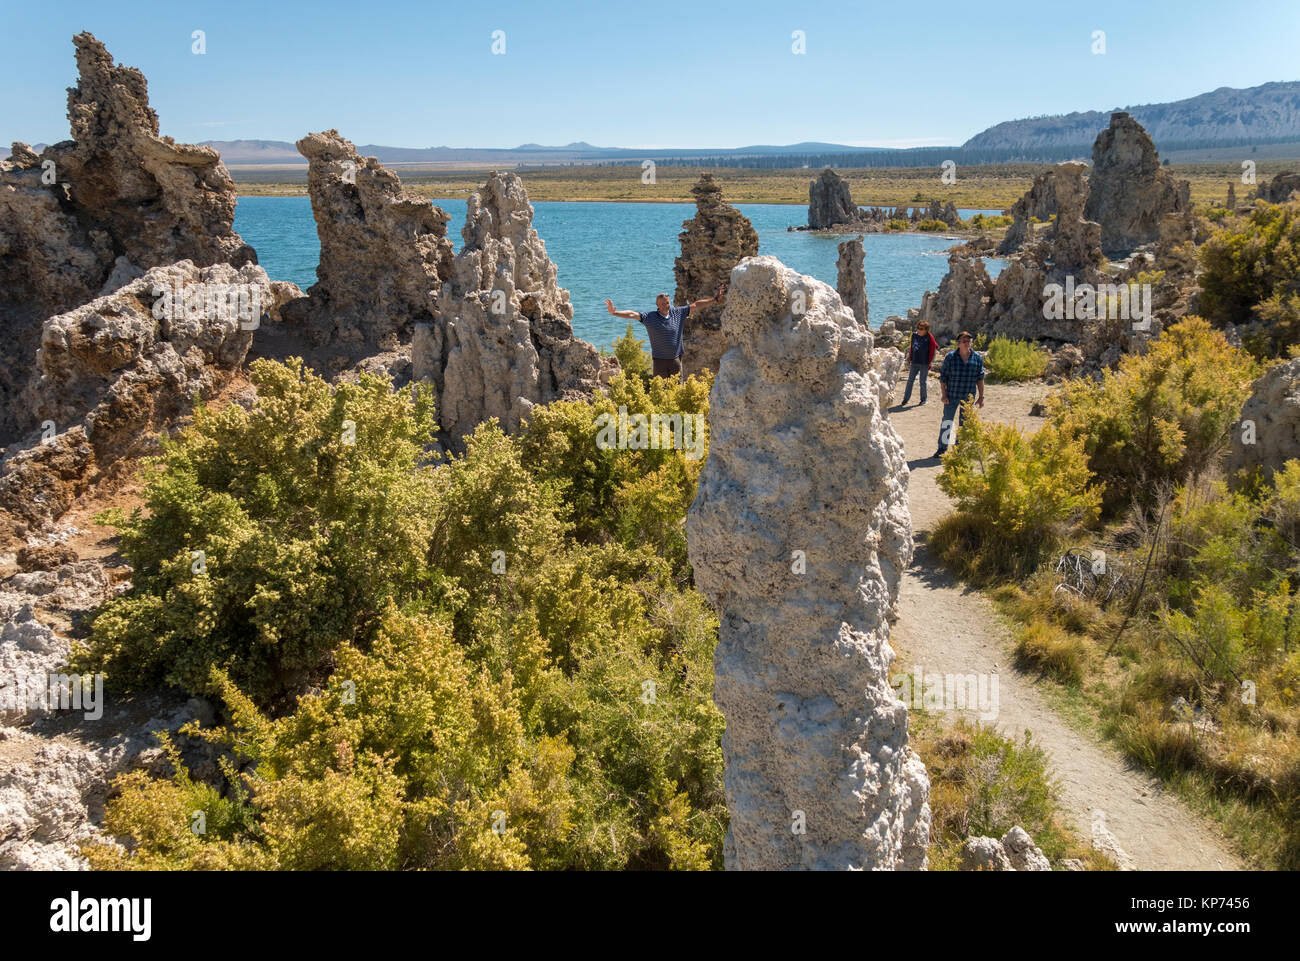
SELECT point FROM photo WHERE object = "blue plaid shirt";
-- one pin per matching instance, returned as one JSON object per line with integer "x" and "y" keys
{"x": 961, "y": 377}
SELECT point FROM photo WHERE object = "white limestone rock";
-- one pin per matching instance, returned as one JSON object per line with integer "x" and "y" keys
{"x": 798, "y": 536}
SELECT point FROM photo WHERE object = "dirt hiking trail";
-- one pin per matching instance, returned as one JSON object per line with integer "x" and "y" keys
{"x": 947, "y": 627}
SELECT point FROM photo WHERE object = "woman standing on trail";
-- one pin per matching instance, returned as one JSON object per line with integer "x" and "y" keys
{"x": 920, "y": 355}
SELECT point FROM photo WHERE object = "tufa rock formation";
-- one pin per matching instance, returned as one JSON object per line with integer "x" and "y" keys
{"x": 57, "y": 766}
{"x": 1076, "y": 246}
{"x": 1129, "y": 192}
{"x": 91, "y": 213}
{"x": 384, "y": 255}
{"x": 829, "y": 201}
{"x": 502, "y": 338}
{"x": 122, "y": 368}
{"x": 1038, "y": 203}
{"x": 798, "y": 537}
{"x": 962, "y": 300}
{"x": 851, "y": 278}
{"x": 713, "y": 241}
{"x": 1281, "y": 188}
{"x": 1274, "y": 409}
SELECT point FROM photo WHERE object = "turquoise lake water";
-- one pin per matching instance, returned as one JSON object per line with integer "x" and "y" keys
{"x": 625, "y": 251}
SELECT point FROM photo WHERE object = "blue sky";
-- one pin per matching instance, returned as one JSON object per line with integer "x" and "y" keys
{"x": 650, "y": 74}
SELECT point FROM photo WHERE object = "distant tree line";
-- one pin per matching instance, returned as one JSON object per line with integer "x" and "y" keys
{"x": 930, "y": 156}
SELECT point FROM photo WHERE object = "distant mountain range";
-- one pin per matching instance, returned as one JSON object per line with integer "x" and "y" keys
{"x": 1199, "y": 128}
{"x": 239, "y": 152}
{"x": 1269, "y": 113}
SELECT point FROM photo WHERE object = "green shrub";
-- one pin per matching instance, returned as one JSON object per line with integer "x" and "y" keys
{"x": 990, "y": 221}
{"x": 525, "y": 698}
{"x": 932, "y": 226}
{"x": 899, "y": 224}
{"x": 1014, "y": 360}
{"x": 1162, "y": 415}
{"x": 271, "y": 536}
{"x": 1018, "y": 496}
{"x": 639, "y": 497}
{"x": 632, "y": 357}
{"x": 1252, "y": 272}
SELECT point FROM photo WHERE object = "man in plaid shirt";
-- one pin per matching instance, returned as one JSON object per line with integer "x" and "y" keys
{"x": 960, "y": 379}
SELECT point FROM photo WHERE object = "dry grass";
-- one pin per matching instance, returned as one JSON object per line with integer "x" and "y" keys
{"x": 993, "y": 187}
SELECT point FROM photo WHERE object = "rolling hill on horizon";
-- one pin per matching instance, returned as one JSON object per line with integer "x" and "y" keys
{"x": 1268, "y": 113}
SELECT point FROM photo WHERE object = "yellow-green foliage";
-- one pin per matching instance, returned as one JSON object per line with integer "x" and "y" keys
{"x": 632, "y": 357}
{"x": 635, "y": 496}
{"x": 932, "y": 226}
{"x": 1013, "y": 360}
{"x": 1252, "y": 272}
{"x": 1016, "y": 495}
{"x": 530, "y": 699}
{"x": 990, "y": 221}
{"x": 1162, "y": 415}
{"x": 308, "y": 512}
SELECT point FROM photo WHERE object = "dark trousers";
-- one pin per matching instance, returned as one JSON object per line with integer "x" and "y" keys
{"x": 953, "y": 416}
{"x": 915, "y": 369}
{"x": 667, "y": 367}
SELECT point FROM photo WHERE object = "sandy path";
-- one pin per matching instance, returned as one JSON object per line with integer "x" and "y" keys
{"x": 945, "y": 627}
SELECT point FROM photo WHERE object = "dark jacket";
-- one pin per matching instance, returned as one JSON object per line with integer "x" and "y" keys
{"x": 933, "y": 346}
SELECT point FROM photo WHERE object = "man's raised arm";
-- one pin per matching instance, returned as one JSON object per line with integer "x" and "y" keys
{"x": 625, "y": 314}
{"x": 708, "y": 300}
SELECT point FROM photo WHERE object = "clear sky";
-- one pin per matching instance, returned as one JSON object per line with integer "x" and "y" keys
{"x": 643, "y": 74}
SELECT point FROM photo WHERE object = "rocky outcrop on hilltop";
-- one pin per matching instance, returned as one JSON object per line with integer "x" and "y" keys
{"x": 1281, "y": 188}
{"x": 384, "y": 255}
{"x": 502, "y": 339}
{"x": 829, "y": 201}
{"x": 713, "y": 241}
{"x": 798, "y": 536}
{"x": 1273, "y": 413}
{"x": 91, "y": 213}
{"x": 121, "y": 369}
{"x": 851, "y": 278}
{"x": 1129, "y": 192}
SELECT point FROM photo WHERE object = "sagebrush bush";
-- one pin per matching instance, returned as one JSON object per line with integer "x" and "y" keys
{"x": 1013, "y": 360}
{"x": 512, "y": 676}
{"x": 636, "y": 496}
{"x": 1018, "y": 495}
{"x": 271, "y": 536}
{"x": 990, "y": 221}
{"x": 1252, "y": 273}
{"x": 1162, "y": 415}
{"x": 632, "y": 356}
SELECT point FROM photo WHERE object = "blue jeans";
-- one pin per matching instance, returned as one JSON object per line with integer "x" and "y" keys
{"x": 953, "y": 416}
{"x": 915, "y": 369}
